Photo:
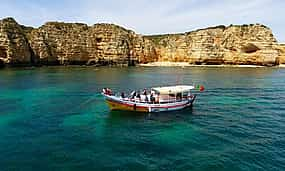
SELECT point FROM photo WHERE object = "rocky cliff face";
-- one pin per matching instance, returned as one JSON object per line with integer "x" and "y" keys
{"x": 247, "y": 44}
{"x": 58, "y": 43}
{"x": 63, "y": 43}
{"x": 72, "y": 43}
{"x": 14, "y": 47}
{"x": 281, "y": 57}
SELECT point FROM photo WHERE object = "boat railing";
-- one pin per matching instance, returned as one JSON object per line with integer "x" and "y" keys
{"x": 157, "y": 100}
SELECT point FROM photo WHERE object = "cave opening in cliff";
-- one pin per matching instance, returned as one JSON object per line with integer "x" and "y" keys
{"x": 250, "y": 48}
{"x": 99, "y": 39}
{"x": 3, "y": 52}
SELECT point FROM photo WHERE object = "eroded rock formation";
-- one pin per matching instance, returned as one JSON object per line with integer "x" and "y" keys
{"x": 57, "y": 43}
{"x": 281, "y": 57}
{"x": 66, "y": 43}
{"x": 14, "y": 47}
{"x": 246, "y": 44}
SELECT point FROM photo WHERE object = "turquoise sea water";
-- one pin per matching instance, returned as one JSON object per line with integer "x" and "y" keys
{"x": 56, "y": 119}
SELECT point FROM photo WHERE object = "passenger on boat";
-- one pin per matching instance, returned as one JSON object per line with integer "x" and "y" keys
{"x": 104, "y": 90}
{"x": 144, "y": 92}
{"x": 179, "y": 96}
{"x": 144, "y": 96}
{"x": 146, "y": 99}
{"x": 122, "y": 95}
{"x": 133, "y": 94}
{"x": 152, "y": 98}
{"x": 157, "y": 98}
{"x": 138, "y": 97}
{"x": 108, "y": 91}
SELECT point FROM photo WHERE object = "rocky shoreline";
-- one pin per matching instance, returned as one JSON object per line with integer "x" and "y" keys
{"x": 57, "y": 43}
{"x": 185, "y": 64}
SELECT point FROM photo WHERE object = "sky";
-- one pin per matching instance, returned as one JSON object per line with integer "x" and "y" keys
{"x": 150, "y": 16}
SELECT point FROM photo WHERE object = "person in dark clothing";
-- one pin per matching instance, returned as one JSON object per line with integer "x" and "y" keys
{"x": 146, "y": 98}
{"x": 152, "y": 98}
{"x": 138, "y": 95}
{"x": 179, "y": 96}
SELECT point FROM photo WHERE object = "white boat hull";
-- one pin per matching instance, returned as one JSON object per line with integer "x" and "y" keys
{"x": 116, "y": 103}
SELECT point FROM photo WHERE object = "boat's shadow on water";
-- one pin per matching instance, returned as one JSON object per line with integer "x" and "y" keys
{"x": 160, "y": 116}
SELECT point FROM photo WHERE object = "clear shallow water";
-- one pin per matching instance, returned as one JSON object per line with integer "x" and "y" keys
{"x": 55, "y": 119}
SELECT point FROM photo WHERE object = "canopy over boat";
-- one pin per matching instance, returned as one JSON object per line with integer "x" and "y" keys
{"x": 173, "y": 89}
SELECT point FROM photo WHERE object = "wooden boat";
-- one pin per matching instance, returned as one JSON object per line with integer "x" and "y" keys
{"x": 159, "y": 99}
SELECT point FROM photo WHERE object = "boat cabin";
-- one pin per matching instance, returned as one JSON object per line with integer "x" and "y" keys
{"x": 172, "y": 94}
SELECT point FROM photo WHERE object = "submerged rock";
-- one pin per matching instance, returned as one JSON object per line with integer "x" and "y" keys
{"x": 57, "y": 43}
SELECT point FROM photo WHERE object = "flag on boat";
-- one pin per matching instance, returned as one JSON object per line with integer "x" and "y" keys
{"x": 200, "y": 87}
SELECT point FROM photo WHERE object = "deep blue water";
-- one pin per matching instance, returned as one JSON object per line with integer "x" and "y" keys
{"x": 56, "y": 119}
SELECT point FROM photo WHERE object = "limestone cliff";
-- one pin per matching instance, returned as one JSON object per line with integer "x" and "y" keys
{"x": 72, "y": 43}
{"x": 281, "y": 58}
{"x": 67, "y": 43}
{"x": 246, "y": 44}
{"x": 57, "y": 43}
{"x": 14, "y": 47}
